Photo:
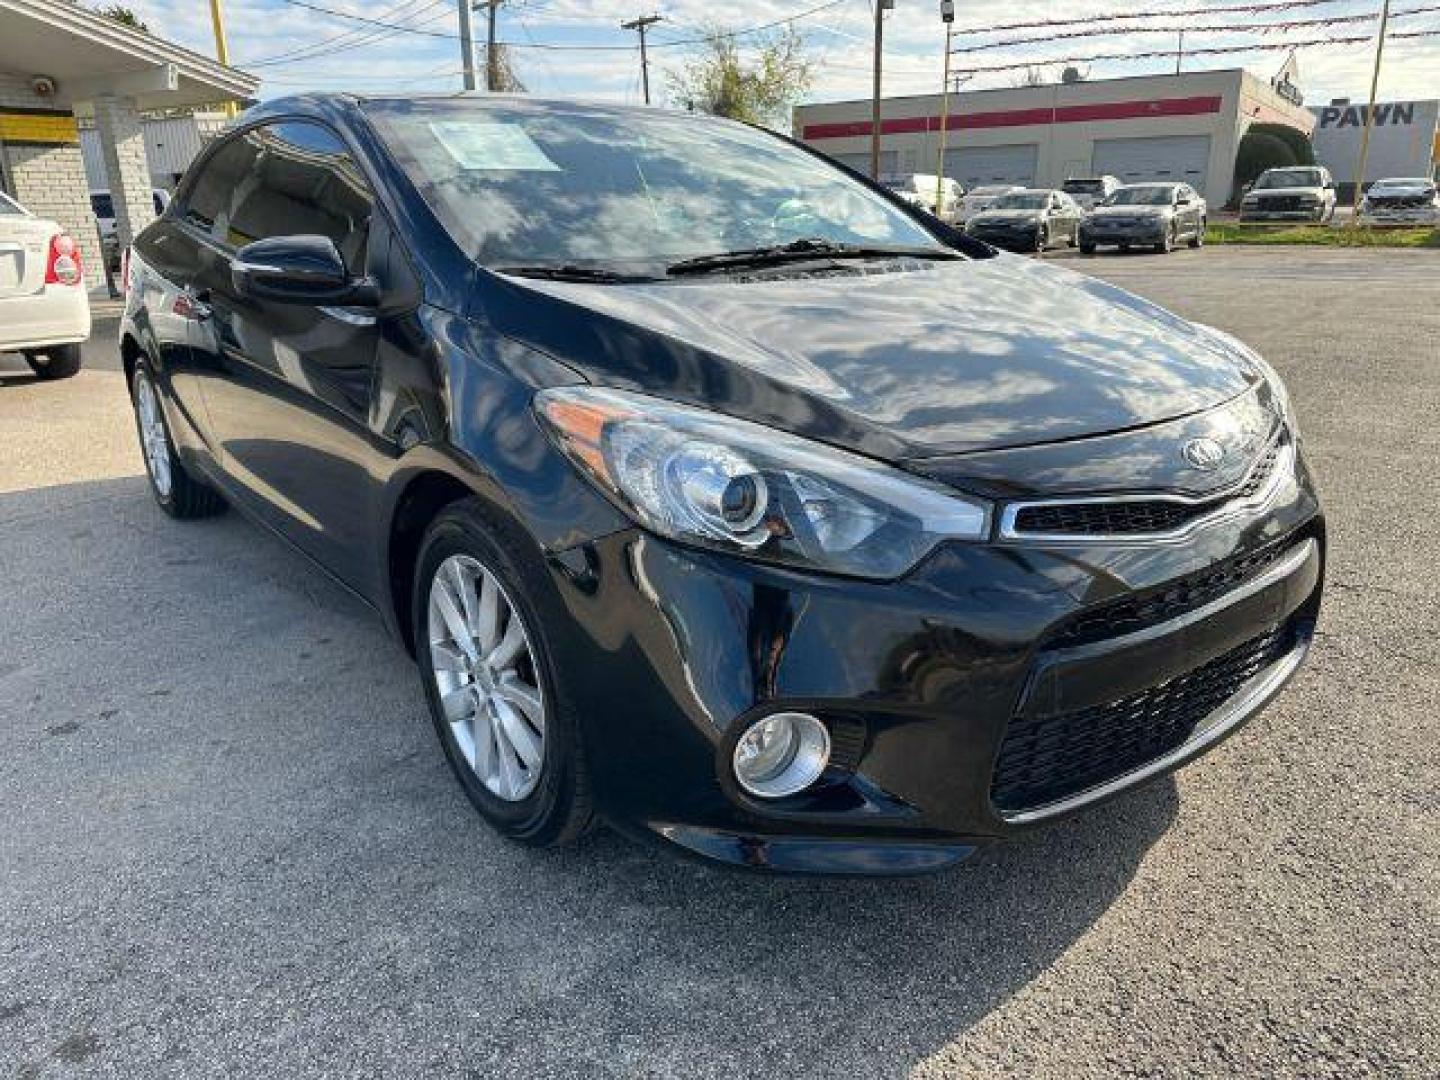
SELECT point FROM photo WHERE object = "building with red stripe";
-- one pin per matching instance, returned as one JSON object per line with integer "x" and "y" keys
{"x": 1153, "y": 127}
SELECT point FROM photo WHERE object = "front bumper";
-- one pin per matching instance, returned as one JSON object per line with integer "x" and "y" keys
{"x": 1400, "y": 218}
{"x": 1011, "y": 238}
{"x": 950, "y": 694}
{"x": 1143, "y": 231}
{"x": 1309, "y": 213}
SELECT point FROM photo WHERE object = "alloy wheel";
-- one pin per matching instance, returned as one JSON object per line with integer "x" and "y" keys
{"x": 154, "y": 441}
{"x": 485, "y": 677}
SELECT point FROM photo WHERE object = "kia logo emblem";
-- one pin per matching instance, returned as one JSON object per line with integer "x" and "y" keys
{"x": 1203, "y": 454}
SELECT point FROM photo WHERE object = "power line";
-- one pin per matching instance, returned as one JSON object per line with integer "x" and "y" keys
{"x": 1228, "y": 28}
{"x": 1214, "y": 51}
{"x": 1172, "y": 13}
{"x": 353, "y": 38}
{"x": 558, "y": 47}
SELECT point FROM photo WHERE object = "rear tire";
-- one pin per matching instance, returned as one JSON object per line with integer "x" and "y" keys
{"x": 178, "y": 492}
{"x": 60, "y": 362}
{"x": 552, "y": 803}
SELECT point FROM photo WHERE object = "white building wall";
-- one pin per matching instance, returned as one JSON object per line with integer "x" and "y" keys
{"x": 1062, "y": 122}
{"x": 171, "y": 144}
{"x": 49, "y": 180}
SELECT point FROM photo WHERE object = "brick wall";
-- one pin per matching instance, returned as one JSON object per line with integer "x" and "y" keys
{"x": 49, "y": 181}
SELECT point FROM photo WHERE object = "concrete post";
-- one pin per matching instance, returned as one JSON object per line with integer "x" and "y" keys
{"x": 127, "y": 171}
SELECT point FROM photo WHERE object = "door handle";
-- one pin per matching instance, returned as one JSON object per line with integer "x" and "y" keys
{"x": 190, "y": 304}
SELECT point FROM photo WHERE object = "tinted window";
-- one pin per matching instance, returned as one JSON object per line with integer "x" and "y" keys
{"x": 102, "y": 206}
{"x": 208, "y": 204}
{"x": 302, "y": 180}
{"x": 519, "y": 184}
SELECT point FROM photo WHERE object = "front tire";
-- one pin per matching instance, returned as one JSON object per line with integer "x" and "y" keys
{"x": 1198, "y": 240}
{"x": 60, "y": 362}
{"x": 1086, "y": 249}
{"x": 1042, "y": 240}
{"x": 178, "y": 492}
{"x": 1167, "y": 242}
{"x": 502, "y": 715}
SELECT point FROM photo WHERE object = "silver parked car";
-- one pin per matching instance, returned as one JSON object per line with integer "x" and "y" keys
{"x": 1147, "y": 215}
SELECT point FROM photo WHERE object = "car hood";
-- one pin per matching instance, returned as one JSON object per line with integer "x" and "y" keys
{"x": 1411, "y": 192}
{"x": 1285, "y": 193}
{"x": 933, "y": 358}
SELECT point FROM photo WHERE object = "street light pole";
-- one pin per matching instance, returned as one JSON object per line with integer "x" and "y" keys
{"x": 1370, "y": 116}
{"x": 947, "y": 16}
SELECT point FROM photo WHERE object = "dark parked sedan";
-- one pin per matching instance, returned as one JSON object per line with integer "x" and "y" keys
{"x": 1025, "y": 221}
{"x": 717, "y": 492}
{"x": 1147, "y": 215}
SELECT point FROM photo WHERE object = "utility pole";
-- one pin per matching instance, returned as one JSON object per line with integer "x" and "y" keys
{"x": 1180, "y": 52}
{"x": 467, "y": 45}
{"x": 492, "y": 57}
{"x": 640, "y": 25}
{"x": 947, "y": 16}
{"x": 1370, "y": 116}
{"x": 881, "y": 6}
{"x": 222, "y": 50}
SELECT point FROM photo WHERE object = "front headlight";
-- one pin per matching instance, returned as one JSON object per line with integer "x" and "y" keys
{"x": 704, "y": 478}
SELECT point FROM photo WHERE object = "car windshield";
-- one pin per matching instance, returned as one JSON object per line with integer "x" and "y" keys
{"x": 524, "y": 184}
{"x": 1084, "y": 187}
{"x": 1023, "y": 200}
{"x": 1403, "y": 182}
{"x": 1156, "y": 195}
{"x": 1290, "y": 178}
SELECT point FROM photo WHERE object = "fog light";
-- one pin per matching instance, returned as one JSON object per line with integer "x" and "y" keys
{"x": 781, "y": 754}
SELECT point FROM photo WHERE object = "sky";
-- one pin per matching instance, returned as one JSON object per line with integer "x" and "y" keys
{"x": 296, "y": 49}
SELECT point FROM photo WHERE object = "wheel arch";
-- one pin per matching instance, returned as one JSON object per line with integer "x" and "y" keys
{"x": 130, "y": 353}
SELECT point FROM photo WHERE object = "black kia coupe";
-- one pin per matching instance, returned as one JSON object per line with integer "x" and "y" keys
{"x": 715, "y": 490}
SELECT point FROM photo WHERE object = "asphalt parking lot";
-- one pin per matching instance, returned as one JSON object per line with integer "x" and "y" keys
{"x": 229, "y": 844}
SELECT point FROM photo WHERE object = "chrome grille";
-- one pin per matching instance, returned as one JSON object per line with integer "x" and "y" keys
{"x": 1134, "y": 516}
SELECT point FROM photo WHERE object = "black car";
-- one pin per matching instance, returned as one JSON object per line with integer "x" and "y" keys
{"x": 1025, "y": 221}
{"x": 716, "y": 491}
{"x": 1157, "y": 216}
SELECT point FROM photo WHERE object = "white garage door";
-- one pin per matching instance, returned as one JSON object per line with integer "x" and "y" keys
{"x": 889, "y": 161}
{"x": 977, "y": 165}
{"x": 1143, "y": 161}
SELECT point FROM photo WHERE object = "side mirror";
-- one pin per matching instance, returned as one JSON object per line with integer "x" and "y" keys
{"x": 1182, "y": 200}
{"x": 299, "y": 270}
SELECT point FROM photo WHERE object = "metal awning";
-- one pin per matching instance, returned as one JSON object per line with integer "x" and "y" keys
{"x": 88, "y": 55}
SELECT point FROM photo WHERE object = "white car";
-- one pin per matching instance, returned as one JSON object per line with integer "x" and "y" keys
{"x": 1090, "y": 191}
{"x": 918, "y": 189}
{"x": 1407, "y": 200}
{"x": 978, "y": 200}
{"x": 1294, "y": 193}
{"x": 44, "y": 309}
{"x": 103, "y": 207}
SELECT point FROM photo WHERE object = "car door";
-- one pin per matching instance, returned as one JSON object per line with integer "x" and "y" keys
{"x": 1065, "y": 216}
{"x": 288, "y": 387}
{"x": 1187, "y": 209}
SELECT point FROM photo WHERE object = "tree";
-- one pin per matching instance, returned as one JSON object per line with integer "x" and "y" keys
{"x": 1031, "y": 76}
{"x": 123, "y": 15}
{"x": 762, "y": 91}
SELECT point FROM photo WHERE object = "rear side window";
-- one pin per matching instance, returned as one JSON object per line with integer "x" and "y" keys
{"x": 303, "y": 180}
{"x": 212, "y": 193}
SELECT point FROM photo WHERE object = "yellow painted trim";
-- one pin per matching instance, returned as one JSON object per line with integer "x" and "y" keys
{"x": 32, "y": 128}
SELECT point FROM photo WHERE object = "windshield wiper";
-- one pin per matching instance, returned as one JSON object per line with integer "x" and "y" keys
{"x": 571, "y": 272}
{"x": 808, "y": 248}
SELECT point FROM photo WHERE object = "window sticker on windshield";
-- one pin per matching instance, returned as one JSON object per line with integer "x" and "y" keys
{"x": 483, "y": 145}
